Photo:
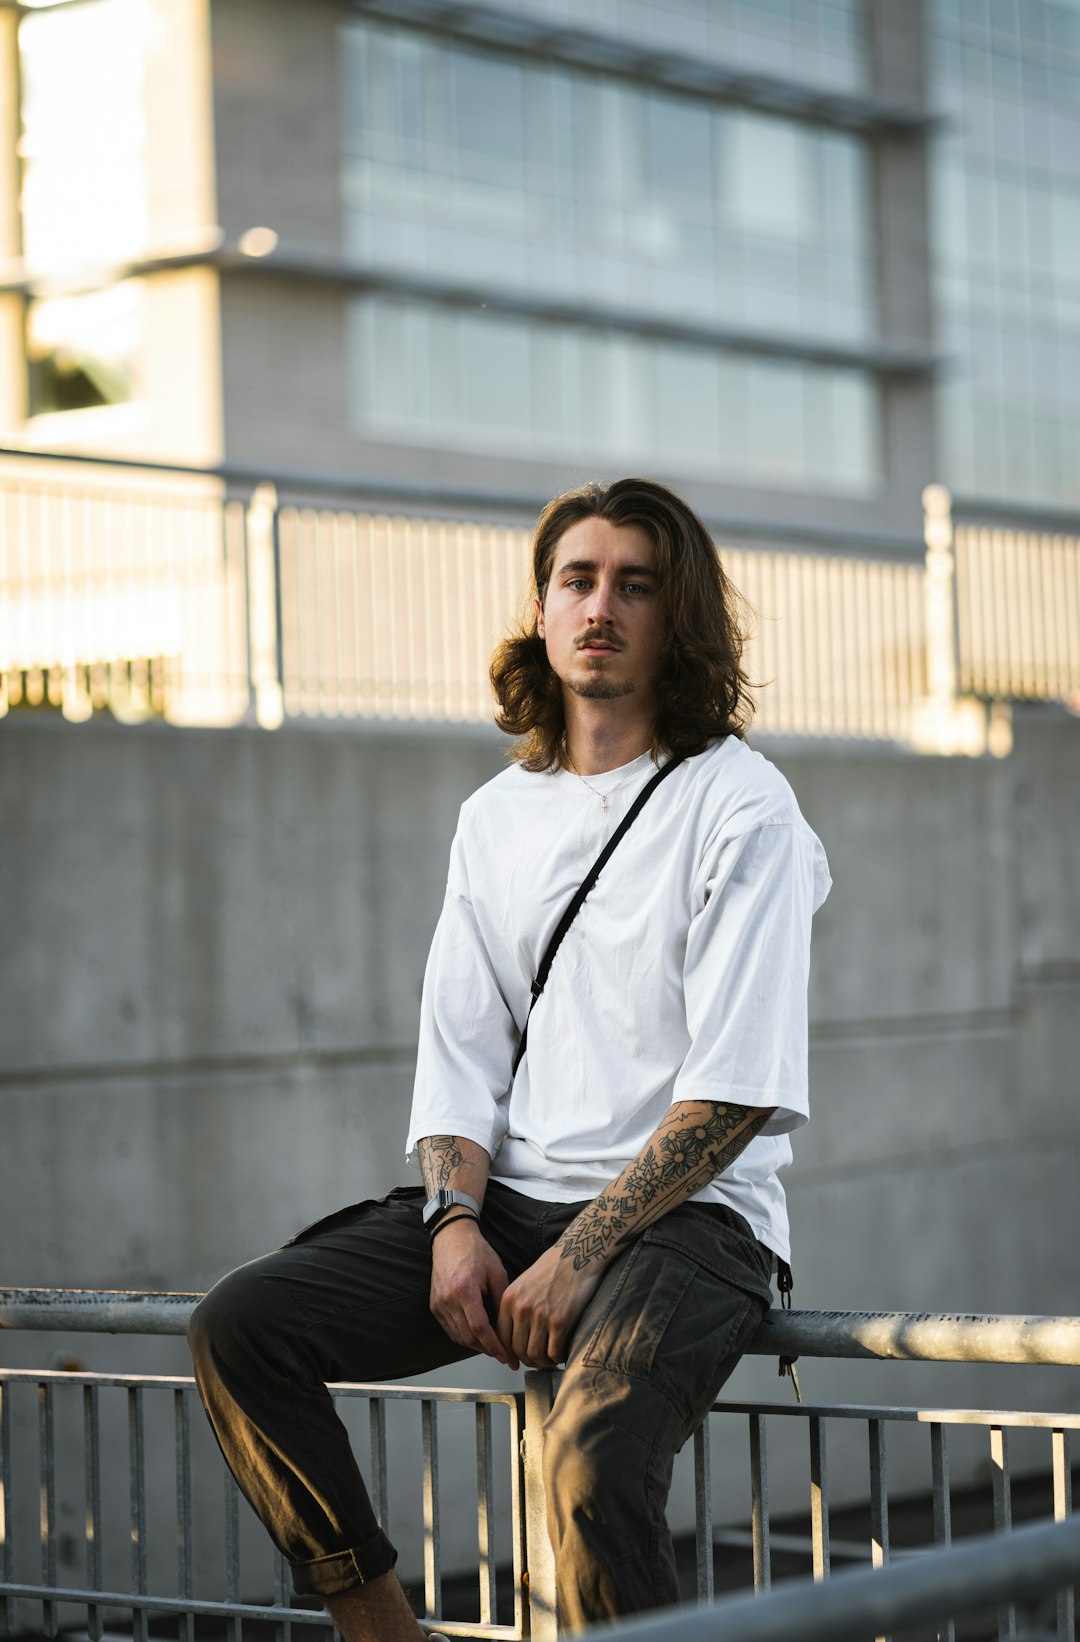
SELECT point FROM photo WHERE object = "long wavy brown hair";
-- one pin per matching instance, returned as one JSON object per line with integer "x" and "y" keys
{"x": 702, "y": 689}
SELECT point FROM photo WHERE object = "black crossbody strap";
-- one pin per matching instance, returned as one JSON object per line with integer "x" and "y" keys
{"x": 576, "y": 904}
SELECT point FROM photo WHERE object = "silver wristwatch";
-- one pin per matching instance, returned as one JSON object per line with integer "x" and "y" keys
{"x": 445, "y": 1199}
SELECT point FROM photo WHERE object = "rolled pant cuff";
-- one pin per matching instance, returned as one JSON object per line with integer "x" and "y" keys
{"x": 345, "y": 1570}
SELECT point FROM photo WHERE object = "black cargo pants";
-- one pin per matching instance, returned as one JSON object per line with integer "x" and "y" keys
{"x": 347, "y": 1299}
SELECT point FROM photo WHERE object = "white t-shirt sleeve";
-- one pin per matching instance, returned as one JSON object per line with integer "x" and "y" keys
{"x": 746, "y": 969}
{"x": 467, "y": 1032}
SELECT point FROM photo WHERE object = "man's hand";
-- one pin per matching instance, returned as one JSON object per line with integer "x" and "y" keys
{"x": 540, "y": 1309}
{"x": 466, "y": 1273}
{"x": 693, "y": 1144}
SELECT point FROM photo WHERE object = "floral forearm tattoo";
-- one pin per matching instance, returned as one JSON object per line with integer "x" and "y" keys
{"x": 439, "y": 1156}
{"x": 683, "y": 1156}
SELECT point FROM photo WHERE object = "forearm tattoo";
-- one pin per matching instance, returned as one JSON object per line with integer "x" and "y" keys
{"x": 682, "y": 1157}
{"x": 439, "y": 1156}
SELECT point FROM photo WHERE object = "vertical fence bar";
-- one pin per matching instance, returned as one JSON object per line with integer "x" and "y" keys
{"x": 265, "y": 683}
{"x": 879, "y": 1498}
{"x": 999, "y": 1459}
{"x": 819, "y": 1498}
{"x": 234, "y": 1625}
{"x": 432, "y": 1569}
{"x": 7, "y": 1547}
{"x": 182, "y": 1416}
{"x": 47, "y": 1502}
{"x": 879, "y": 1501}
{"x": 703, "y": 1511}
{"x": 282, "y": 1597}
{"x": 137, "y": 1502}
{"x": 517, "y": 1510}
{"x": 92, "y": 1475}
{"x": 939, "y": 1465}
{"x": 1066, "y": 1602}
{"x": 485, "y": 1513}
{"x": 759, "y": 1490}
{"x": 540, "y": 1564}
{"x": 377, "y": 1480}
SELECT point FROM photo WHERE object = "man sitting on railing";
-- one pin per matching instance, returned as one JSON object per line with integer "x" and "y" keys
{"x": 608, "y": 1199}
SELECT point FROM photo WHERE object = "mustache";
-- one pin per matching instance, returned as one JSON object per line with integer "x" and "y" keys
{"x": 596, "y": 636}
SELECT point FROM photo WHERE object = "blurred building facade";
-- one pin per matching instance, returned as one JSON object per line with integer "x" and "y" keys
{"x": 798, "y": 257}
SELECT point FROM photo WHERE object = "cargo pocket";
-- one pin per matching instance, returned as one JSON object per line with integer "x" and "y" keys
{"x": 727, "y": 1247}
{"x": 680, "y": 1312}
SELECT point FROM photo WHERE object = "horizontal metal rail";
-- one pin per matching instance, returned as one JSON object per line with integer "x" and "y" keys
{"x": 323, "y": 488}
{"x": 1022, "y": 1566}
{"x": 915, "y": 1336}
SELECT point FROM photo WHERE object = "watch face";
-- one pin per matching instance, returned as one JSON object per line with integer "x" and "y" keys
{"x": 445, "y": 1198}
{"x": 435, "y": 1205}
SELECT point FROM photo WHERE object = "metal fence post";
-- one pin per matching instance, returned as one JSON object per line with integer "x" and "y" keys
{"x": 265, "y": 697}
{"x": 940, "y": 596}
{"x": 540, "y": 1558}
{"x": 944, "y": 722}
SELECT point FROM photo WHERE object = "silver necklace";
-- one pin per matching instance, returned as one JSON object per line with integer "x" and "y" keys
{"x": 604, "y": 796}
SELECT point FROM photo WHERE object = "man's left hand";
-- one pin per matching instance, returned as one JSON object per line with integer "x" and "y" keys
{"x": 539, "y": 1310}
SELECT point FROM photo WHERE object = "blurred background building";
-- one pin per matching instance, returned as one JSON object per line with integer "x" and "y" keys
{"x": 797, "y": 255}
{"x": 304, "y": 311}
{"x": 798, "y": 258}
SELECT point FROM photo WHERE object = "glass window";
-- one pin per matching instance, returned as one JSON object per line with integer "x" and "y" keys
{"x": 82, "y": 351}
{"x": 556, "y": 182}
{"x": 488, "y": 114}
{"x": 1006, "y": 246}
{"x": 732, "y": 374}
{"x": 1065, "y": 227}
{"x": 777, "y": 419}
{"x": 949, "y": 213}
{"x": 856, "y": 413}
{"x": 494, "y": 365}
{"x": 688, "y": 406}
{"x": 765, "y": 184}
{"x": 680, "y": 149}
{"x": 480, "y": 382}
{"x": 84, "y": 189}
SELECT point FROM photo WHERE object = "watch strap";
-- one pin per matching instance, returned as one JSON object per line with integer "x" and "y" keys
{"x": 445, "y": 1198}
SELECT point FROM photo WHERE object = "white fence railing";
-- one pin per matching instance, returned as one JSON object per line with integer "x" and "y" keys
{"x": 158, "y": 593}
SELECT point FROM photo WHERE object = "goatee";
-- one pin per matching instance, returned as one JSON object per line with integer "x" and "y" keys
{"x": 600, "y": 688}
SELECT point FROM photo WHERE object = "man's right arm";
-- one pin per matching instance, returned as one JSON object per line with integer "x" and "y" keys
{"x": 467, "y": 1276}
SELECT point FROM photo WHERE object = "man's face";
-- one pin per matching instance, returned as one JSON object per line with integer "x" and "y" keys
{"x": 602, "y": 618}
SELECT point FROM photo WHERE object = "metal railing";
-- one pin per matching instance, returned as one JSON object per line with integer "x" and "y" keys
{"x": 1033, "y": 1563}
{"x": 97, "y": 1594}
{"x": 122, "y": 589}
{"x": 62, "y": 1433}
{"x": 157, "y": 592}
{"x": 1018, "y": 612}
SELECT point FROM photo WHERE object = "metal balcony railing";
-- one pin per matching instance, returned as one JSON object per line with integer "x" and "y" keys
{"x": 79, "y": 1446}
{"x": 152, "y": 591}
{"x": 1034, "y": 1564}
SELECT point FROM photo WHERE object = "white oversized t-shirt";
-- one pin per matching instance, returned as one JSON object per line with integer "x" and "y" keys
{"x": 683, "y": 976}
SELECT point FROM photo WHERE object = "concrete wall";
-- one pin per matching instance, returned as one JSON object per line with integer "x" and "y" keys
{"x": 211, "y": 965}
